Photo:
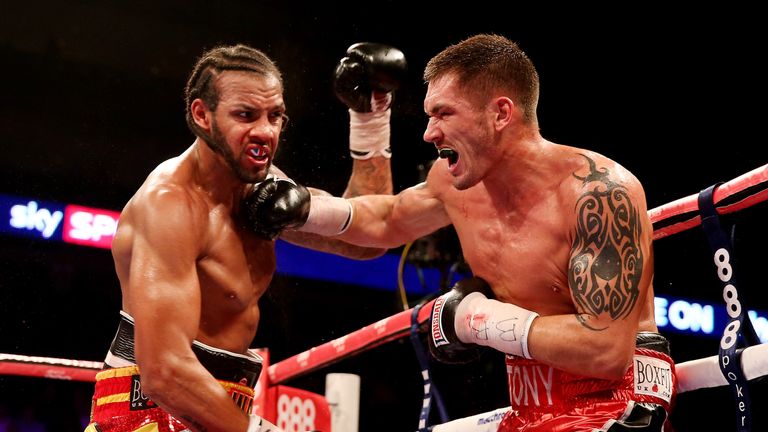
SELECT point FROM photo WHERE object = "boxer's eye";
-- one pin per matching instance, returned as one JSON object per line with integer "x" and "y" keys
{"x": 245, "y": 115}
{"x": 276, "y": 116}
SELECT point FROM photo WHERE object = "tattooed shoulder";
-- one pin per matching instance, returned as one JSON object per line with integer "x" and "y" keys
{"x": 606, "y": 260}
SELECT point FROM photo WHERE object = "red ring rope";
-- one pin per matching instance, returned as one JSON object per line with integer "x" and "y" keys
{"x": 744, "y": 191}
{"x": 47, "y": 367}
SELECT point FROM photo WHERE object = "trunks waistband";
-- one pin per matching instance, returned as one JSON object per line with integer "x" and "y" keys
{"x": 223, "y": 365}
{"x": 651, "y": 378}
{"x": 118, "y": 393}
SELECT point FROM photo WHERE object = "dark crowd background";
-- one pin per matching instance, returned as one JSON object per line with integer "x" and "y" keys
{"x": 92, "y": 100}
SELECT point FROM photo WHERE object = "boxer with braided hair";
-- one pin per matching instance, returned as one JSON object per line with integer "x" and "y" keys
{"x": 192, "y": 271}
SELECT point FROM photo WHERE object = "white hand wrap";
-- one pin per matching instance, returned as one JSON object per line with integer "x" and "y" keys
{"x": 369, "y": 134}
{"x": 258, "y": 424}
{"x": 328, "y": 216}
{"x": 491, "y": 323}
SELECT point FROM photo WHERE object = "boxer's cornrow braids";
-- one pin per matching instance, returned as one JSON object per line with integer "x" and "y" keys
{"x": 214, "y": 62}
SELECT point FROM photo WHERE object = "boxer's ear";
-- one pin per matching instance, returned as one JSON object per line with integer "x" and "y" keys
{"x": 201, "y": 115}
{"x": 504, "y": 108}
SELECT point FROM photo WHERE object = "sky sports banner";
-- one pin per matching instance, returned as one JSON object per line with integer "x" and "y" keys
{"x": 61, "y": 222}
{"x": 88, "y": 226}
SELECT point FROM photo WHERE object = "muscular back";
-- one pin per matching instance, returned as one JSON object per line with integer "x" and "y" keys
{"x": 179, "y": 251}
{"x": 575, "y": 240}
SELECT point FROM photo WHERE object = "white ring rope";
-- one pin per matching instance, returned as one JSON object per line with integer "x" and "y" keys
{"x": 705, "y": 372}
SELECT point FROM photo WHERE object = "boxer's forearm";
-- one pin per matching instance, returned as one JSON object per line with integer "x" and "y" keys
{"x": 562, "y": 341}
{"x": 329, "y": 245}
{"x": 192, "y": 395}
{"x": 370, "y": 177}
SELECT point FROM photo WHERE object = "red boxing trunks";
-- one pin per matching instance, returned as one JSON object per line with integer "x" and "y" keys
{"x": 547, "y": 399}
{"x": 120, "y": 405}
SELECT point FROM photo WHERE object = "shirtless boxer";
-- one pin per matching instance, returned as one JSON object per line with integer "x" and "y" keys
{"x": 558, "y": 240}
{"x": 192, "y": 272}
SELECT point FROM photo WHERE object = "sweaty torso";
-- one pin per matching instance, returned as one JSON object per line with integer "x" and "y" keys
{"x": 522, "y": 253}
{"x": 233, "y": 266}
{"x": 520, "y": 242}
{"x": 234, "y": 271}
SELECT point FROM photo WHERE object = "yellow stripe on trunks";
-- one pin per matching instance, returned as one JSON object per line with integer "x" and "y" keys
{"x": 117, "y": 372}
{"x": 152, "y": 427}
{"x": 118, "y": 397}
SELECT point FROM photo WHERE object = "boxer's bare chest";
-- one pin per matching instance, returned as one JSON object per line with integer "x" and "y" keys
{"x": 236, "y": 267}
{"x": 521, "y": 251}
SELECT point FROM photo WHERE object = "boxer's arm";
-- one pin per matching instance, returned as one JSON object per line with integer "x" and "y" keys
{"x": 370, "y": 176}
{"x": 365, "y": 80}
{"x": 163, "y": 296}
{"x": 381, "y": 221}
{"x": 393, "y": 220}
{"x": 610, "y": 272}
{"x": 328, "y": 244}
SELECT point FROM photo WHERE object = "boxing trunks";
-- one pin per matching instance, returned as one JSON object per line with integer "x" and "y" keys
{"x": 118, "y": 404}
{"x": 547, "y": 399}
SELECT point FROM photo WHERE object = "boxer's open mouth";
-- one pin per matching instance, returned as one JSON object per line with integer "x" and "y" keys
{"x": 450, "y": 154}
{"x": 258, "y": 152}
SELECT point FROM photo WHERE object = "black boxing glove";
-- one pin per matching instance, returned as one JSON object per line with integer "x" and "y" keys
{"x": 444, "y": 343}
{"x": 277, "y": 204}
{"x": 274, "y": 205}
{"x": 364, "y": 80}
{"x": 367, "y": 68}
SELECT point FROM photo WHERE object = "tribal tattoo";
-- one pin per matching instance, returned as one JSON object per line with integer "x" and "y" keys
{"x": 373, "y": 176}
{"x": 606, "y": 258}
